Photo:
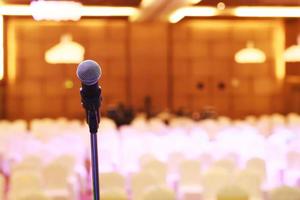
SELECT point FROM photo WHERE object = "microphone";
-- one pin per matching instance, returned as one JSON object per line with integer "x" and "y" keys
{"x": 89, "y": 73}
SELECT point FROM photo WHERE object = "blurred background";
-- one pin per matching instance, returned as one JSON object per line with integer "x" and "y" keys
{"x": 201, "y": 99}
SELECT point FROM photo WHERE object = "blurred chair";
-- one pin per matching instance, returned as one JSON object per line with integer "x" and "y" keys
{"x": 158, "y": 168}
{"x": 29, "y": 163}
{"x": 107, "y": 124}
{"x": 232, "y": 192}
{"x": 2, "y": 187}
{"x": 213, "y": 180}
{"x": 190, "y": 172}
{"x": 34, "y": 196}
{"x": 250, "y": 119}
{"x": 113, "y": 195}
{"x": 257, "y": 165}
{"x": 250, "y": 182}
{"x": 285, "y": 193}
{"x": 66, "y": 161}
{"x": 141, "y": 181}
{"x": 57, "y": 181}
{"x": 112, "y": 181}
{"x": 174, "y": 159}
{"x": 158, "y": 193}
{"x": 227, "y": 164}
{"x": 23, "y": 181}
{"x": 190, "y": 186}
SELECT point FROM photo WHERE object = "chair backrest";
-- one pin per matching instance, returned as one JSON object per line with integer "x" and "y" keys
{"x": 227, "y": 164}
{"x": 285, "y": 193}
{"x": 213, "y": 180}
{"x": 158, "y": 168}
{"x": 67, "y": 161}
{"x": 28, "y": 163}
{"x": 55, "y": 176}
{"x": 141, "y": 181}
{"x": 2, "y": 187}
{"x": 250, "y": 181}
{"x": 33, "y": 196}
{"x": 189, "y": 171}
{"x": 25, "y": 180}
{"x": 112, "y": 180}
{"x": 258, "y": 165}
{"x": 113, "y": 195}
{"x": 158, "y": 193}
{"x": 232, "y": 192}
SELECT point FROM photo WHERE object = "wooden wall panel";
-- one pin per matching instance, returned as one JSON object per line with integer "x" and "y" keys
{"x": 39, "y": 87}
{"x": 188, "y": 65}
{"x": 148, "y": 61}
{"x": 205, "y": 50}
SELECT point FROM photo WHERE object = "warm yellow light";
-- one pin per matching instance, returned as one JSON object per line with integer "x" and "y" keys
{"x": 43, "y": 10}
{"x": 279, "y": 44}
{"x": 1, "y": 49}
{"x": 250, "y": 55}
{"x": 192, "y": 12}
{"x": 292, "y": 54}
{"x": 65, "y": 52}
{"x": 194, "y": 1}
{"x": 15, "y": 10}
{"x": 89, "y": 11}
{"x": 263, "y": 11}
{"x": 146, "y": 3}
{"x": 97, "y": 11}
{"x": 11, "y": 53}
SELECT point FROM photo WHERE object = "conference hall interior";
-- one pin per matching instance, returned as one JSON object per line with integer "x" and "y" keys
{"x": 200, "y": 100}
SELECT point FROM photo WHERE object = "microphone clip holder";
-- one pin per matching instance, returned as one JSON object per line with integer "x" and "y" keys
{"x": 91, "y": 106}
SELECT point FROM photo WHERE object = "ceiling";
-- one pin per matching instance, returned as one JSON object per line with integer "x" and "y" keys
{"x": 251, "y": 2}
{"x": 134, "y": 3}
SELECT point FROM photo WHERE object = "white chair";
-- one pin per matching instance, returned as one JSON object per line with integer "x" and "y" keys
{"x": 250, "y": 119}
{"x": 34, "y": 196}
{"x": 57, "y": 181}
{"x": 107, "y": 124}
{"x": 250, "y": 182}
{"x": 213, "y": 180}
{"x": 159, "y": 193}
{"x": 190, "y": 172}
{"x": 140, "y": 182}
{"x": 2, "y": 187}
{"x": 23, "y": 182}
{"x": 111, "y": 181}
{"x": 232, "y": 192}
{"x": 285, "y": 193}
{"x": 227, "y": 164}
{"x": 28, "y": 163}
{"x": 156, "y": 167}
{"x": 257, "y": 165}
{"x": 113, "y": 195}
{"x": 190, "y": 185}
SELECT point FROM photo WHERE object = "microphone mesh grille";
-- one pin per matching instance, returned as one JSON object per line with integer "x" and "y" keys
{"x": 89, "y": 72}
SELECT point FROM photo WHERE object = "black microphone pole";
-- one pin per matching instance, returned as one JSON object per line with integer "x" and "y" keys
{"x": 91, "y": 104}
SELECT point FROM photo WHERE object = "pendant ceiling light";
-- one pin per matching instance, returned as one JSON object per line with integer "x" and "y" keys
{"x": 292, "y": 54}
{"x": 56, "y": 10}
{"x": 66, "y": 52}
{"x": 250, "y": 54}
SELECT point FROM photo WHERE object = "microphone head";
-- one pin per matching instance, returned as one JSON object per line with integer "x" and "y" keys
{"x": 89, "y": 72}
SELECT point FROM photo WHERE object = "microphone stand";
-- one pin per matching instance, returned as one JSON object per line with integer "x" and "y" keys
{"x": 91, "y": 106}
